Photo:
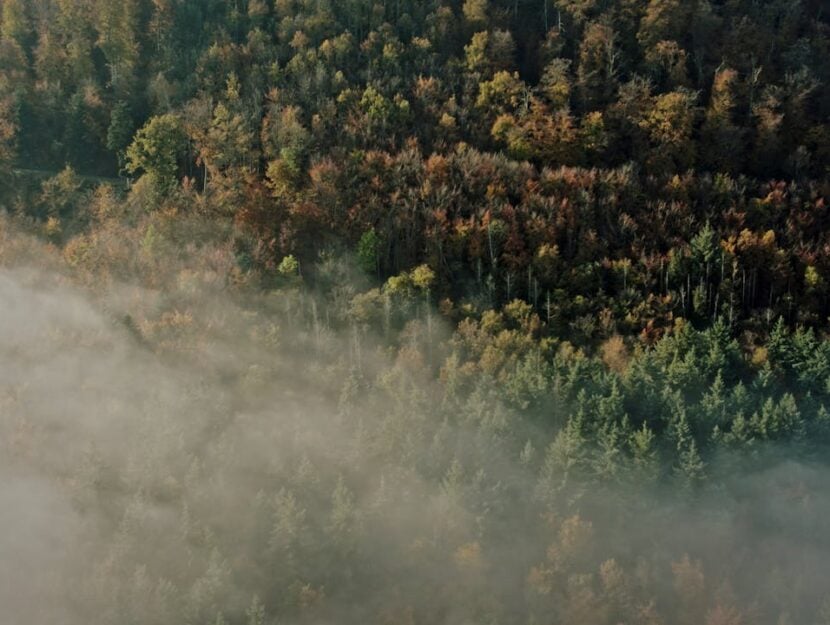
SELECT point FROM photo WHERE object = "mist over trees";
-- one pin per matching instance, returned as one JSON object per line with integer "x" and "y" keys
{"x": 413, "y": 312}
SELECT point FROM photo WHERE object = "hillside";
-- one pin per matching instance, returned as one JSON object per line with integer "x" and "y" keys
{"x": 414, "y": 312}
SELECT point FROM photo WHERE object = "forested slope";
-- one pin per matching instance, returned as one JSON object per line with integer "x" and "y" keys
{"x": 632, "y": 159}
{"x": 414, "y": 312}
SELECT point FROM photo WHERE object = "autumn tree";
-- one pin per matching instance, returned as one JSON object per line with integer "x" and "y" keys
{"x": 721, "y": 138}
{"x": 598, "y": 66}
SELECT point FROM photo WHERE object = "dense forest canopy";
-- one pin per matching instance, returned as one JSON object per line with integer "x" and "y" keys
{"x": 412, "y": 312}
{"x": 643, "y": 160}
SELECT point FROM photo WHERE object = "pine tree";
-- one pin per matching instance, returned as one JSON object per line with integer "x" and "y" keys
{"x": 256, "y": 612}
{"x": 688, "y": 464}
{"x": 644, "y": 454}
{"x": 565, "y": 460}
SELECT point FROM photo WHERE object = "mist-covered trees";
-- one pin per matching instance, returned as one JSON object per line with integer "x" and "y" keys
{"x": 366, "y": 455}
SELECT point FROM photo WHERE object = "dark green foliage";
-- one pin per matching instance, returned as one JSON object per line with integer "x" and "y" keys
{"x": 368, "y": 252}
{"x": 120, "y": 131}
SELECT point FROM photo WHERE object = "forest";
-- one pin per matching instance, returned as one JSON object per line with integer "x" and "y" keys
{"x": 414, "y": 312}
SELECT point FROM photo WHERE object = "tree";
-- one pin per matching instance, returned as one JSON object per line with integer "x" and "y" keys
{"x": 120, "y": 131}
{"x": 504, "y": 93}
{"x": 664, "y": 20}
{"x": 556, "y": 83}
{"x": 286, "y": 539}
{"x": 227, "y": 149}
{"x": 118, "y": 25}
{"x": 156, "y": 150}
{"x": 256, "y": 612}
{"x": 60, "y": 194}
{"x": 598, "y": 66}
{"x": 667, "y": 62}
{"x": 689, "y": 586}
{"x": 566, "y": 459}
{"x": 722, "y": 141}
{"x": 423, "y": 277}
{"x": 476, "y": 12}
{"x": 344, "y": 519}
{"x": 489, "y": 52}
{"x": 548, "y": 137}
{"x": 688, "y": 464}
{"x": 669, "y": 125}
{"x": 644, "y": 454}
{"x": 284, "y": 135}
{"x": 8, "y": 133}
{"x": 380, "y": 116}
{"x": 368, "y": 249}
{"x": 15, "y": 22}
